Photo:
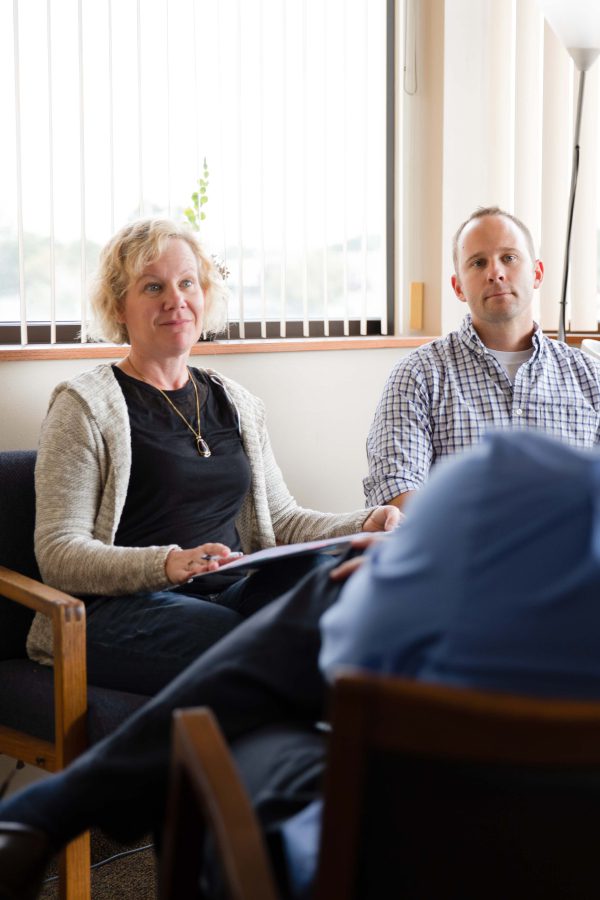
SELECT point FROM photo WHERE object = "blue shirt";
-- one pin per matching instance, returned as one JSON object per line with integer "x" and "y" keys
{"x": 493, "y": 582}
{"x": 446, "y": 395}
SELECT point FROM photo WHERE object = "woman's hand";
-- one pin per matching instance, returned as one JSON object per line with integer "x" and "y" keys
{"x": 383, "y": 518}
{"x": 181, "y": 565}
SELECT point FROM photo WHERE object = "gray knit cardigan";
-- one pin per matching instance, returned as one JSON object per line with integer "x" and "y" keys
{"x": 81, "y": 481}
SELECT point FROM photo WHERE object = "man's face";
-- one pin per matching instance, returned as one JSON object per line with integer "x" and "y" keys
{"x": 496, "y": 275}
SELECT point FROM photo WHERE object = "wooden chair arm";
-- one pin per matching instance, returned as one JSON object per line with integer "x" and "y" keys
{"x": 35, "y": 595}
{"x": 70, "y": 675}
{"x": 206, "y": 789}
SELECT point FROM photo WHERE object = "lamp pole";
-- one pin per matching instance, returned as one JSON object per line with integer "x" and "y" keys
{"x": 576, "y": 23}
{"x": 574, "y": 172}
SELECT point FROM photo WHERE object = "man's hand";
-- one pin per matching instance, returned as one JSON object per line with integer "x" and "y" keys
{"x": 341, "y": 573}
{"x": 383, "y": 518}
{"x": 345, "y": 570}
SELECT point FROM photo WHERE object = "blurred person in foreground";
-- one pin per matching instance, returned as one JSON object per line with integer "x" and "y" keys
{"x": 492, "y": 583}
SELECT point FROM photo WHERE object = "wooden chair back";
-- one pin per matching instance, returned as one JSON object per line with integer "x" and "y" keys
{"x": 22, "y": 595}
{"x": 207, "y": 797}
{"x": 430, "y": 792}
{"x": 434, "y": 791}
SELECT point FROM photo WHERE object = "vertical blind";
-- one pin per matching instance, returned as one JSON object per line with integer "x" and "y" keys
{"x": 111, "y": 108}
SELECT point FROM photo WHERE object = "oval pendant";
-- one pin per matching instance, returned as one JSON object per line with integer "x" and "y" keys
{"x": 202, "y": 447}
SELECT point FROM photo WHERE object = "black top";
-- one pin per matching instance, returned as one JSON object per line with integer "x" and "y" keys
{"x": 174, "y": 495}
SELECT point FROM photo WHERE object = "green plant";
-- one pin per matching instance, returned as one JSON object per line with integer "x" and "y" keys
{"x": 195, "y": 213}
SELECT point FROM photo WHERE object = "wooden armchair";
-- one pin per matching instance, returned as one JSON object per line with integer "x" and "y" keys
{"x": 430, "y": 792}
{"x": 47, "y": 715}
{"x": 70, "y": 705}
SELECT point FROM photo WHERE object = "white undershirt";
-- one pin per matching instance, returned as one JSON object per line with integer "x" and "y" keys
{"x": 511, "y": 360}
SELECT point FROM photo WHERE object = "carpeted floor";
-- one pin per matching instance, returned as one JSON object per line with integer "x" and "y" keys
{"x": 129, "y": 877}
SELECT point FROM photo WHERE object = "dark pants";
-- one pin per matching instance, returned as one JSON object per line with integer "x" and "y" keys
{"x": 262, "y": 673}
{"x": 141, "y": 642}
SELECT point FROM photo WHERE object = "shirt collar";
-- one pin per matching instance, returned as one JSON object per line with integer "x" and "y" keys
{"x": 471, "y": 339}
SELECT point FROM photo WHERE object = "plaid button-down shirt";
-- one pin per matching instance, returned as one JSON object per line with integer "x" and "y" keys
{"x": 447, "y": 394}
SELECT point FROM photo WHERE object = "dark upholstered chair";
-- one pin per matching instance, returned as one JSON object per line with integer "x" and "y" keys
{"x": 430, "y": 792}
{"x": 47, "y": 715}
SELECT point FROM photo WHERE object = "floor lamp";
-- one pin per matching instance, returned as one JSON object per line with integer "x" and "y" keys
{"x": 576, "y": 23}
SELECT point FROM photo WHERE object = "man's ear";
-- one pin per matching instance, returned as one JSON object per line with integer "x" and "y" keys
{"x": 458, "y": 289}
{"x": 539, "y": 273}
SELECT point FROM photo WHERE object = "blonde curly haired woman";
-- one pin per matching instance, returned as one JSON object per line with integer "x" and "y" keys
{"x": 151, "y": 472}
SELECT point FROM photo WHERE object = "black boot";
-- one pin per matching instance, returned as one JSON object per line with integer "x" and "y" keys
{"x": 24, "y": 856}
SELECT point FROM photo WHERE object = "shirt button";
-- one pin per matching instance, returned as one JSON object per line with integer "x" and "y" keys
{"x": 519, "y": 411}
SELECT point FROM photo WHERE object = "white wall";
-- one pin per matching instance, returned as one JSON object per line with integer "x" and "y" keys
{"x": 319, "y": 403}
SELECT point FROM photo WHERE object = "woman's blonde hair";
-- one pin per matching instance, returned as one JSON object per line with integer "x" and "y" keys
{"x": 124, "y": 258}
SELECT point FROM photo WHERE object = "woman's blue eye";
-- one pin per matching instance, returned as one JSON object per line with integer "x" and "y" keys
{"x": 152, "y": 287}
{"x": 187, "y": 282}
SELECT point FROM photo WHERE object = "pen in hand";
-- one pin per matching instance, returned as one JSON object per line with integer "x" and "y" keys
{"x": 235, "y": 555}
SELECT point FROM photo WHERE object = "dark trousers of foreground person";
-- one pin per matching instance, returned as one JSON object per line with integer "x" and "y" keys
{"x": 263, "y": 673}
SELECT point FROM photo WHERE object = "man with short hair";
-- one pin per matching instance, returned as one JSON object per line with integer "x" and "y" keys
{"x": 498, "y": 370}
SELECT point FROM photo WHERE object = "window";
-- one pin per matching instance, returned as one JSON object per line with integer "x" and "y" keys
{"x": 117, "y": 103}
{"x": 491, "y": 123}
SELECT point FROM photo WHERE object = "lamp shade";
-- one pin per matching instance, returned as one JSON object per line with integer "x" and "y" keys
{"x": 576, "y": 24}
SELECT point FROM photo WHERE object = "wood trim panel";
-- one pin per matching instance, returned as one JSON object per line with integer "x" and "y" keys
{"x": 11, "y": 353}
{"x": 28, "y": 352}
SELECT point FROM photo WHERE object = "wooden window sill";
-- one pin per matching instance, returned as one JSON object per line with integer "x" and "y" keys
{"x": 11, "y": 352}
{"x": 209, "y": 348}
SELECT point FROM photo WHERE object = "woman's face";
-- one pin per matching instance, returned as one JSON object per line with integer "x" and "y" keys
{"x": 164, "y": 305}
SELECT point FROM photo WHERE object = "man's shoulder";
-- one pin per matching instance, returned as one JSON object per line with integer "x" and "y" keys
{"x": 573, "y": 357}
{"x": 437, "y": 355}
